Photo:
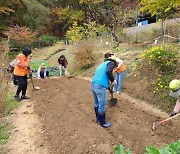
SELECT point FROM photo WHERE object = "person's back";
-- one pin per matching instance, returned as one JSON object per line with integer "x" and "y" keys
{"x": 99, "y": 85}
{"x": 120, "y": 73}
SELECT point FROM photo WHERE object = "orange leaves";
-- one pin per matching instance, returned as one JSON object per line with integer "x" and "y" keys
{"x": 22, "y": 34}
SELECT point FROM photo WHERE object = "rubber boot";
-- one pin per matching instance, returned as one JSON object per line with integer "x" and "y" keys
{"x": 103, "y": 123}
{"x": 96, "y": 112}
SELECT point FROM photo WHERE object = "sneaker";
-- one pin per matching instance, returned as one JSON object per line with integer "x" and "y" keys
{"x": 24, "y": 97}
{"x": 118, "y": 93}
{"x": 17, "y": 98}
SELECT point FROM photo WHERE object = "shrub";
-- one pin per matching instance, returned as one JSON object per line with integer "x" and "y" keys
{"x": 4, "y": 76}
{"x": 158, "y": 66}
{"x": 163, "y": 58}
{"x": 84, "y": 54}
{"x": 47, "y": 40}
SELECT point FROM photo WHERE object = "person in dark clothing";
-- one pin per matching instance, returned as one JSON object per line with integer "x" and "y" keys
{"x": 99, "y": 85}
{"x": 21, "y": 69}
{"x": 63, "y": 63}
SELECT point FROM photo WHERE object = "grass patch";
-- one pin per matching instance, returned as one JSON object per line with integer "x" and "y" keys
{"x": 5, "y": 128}
{"x": 10, "y": 104}
{"x": 36, "y": 63}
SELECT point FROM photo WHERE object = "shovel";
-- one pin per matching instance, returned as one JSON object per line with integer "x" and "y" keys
{"x": 112, "y": 101}
{"x": 165, "y": 120}
{"x": 34, "y": 88}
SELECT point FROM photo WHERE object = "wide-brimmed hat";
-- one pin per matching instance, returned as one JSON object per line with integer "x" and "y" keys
{"x": 174, "y": 86}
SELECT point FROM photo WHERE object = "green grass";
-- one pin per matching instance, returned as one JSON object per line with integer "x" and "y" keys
{"x": 5, "y": 128}
{"x": 36, "y": 63}
{"x": 10, "y": 104}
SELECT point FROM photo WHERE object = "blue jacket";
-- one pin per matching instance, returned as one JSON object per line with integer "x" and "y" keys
{"x": 100, "y": 75}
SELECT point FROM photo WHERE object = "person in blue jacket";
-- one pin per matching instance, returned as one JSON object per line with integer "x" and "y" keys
{"x": 99, "y": 85}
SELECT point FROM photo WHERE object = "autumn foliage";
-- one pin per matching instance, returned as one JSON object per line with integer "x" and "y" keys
{"x": 21, "y": 34}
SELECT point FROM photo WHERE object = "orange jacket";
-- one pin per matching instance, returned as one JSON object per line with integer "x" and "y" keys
{"x": 122, "y": 68}
{"x": 21, "y": 64}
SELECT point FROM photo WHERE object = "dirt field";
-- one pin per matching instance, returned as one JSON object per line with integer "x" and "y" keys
{"x": 65, "y": 110}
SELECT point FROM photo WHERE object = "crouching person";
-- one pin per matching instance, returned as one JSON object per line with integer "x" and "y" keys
{"x": 63, "y": 63}
{"x": 42, "y": 72}
{"x": 99, "y": 86}
{"x": 21, "y": 69}
{"x": 175, "y": 92}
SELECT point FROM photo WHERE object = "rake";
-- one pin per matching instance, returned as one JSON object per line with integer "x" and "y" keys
{"x": 163, "y": 121}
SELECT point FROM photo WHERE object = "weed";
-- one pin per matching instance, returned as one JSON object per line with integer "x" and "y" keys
{"x": 121, "y": 150}
{"x": 4, "y": 132}
{"x": 172, "y": 148}
{"x": 10, "y": 104}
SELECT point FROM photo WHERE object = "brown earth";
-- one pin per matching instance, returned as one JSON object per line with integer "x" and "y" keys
{"x": 60, "y": 118}
{"x": 65, "y": 110}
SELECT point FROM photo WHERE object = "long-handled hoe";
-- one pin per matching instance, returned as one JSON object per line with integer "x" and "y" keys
{"x": 165, "y": 120}
{"x": 72, "y": 76}
{"x": 34, "y": 88}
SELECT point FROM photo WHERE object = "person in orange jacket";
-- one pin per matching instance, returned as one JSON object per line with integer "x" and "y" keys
{"x": 120, "y": 73}
{"x": 21, "y": 70}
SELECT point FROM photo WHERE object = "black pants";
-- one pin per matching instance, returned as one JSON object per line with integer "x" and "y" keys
{"x": 42, "y": 74}
{"x": 15, "y": 81}
{"x": 22, "y": 84}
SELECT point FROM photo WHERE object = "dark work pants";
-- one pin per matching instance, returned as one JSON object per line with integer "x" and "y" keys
{"x": 42, "y": 74}
{"x": 22, "y": 84}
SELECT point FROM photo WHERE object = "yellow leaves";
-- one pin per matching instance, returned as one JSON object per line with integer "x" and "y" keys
{"x": 91, "y": 1}
{"x": 134, "y": 67}
{"x": 75, "y": 33}
{"x": 6, "y": 10}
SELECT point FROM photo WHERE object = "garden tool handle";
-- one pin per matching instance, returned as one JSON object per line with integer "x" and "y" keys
{"x": 32, "y": 81}
{"x": 111, "y": 90}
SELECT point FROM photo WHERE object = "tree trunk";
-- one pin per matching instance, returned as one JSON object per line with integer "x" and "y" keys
{"x": 113, "y": 34}
{"x": 163, "y": 29}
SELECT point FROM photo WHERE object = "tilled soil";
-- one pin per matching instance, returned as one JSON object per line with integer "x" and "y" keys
{"x": 65, "y": 109}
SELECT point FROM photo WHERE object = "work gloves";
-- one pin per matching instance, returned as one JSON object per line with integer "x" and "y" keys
{"x": 110, "y": 88}
{"x": 114, "y": 82}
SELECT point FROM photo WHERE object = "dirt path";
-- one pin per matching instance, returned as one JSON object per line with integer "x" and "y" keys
{"x": 60, "y": 119}
{"x": 25, "y": 136}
